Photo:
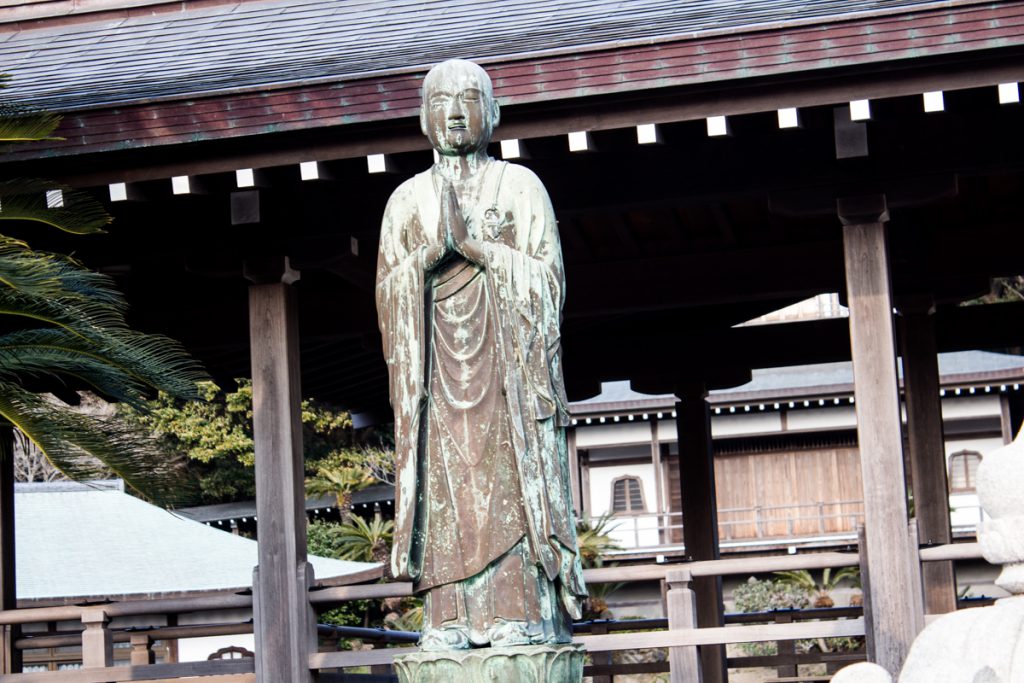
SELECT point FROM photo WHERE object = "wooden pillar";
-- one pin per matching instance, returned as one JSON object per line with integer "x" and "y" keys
{"x": 659, "y": 485}
{"x": 285, "y": 624}
{"x": 11, "y": 656}
{"x": 574, "y": 471}
{"x": 700, "y": 515}
{"x": 876, "y": 393}
{"x": 1015, "y": 411}
{"x": 927, "y": 448}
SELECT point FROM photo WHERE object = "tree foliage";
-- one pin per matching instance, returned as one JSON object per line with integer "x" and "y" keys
{"x": 65, "y": 331}
{"x": 216, "y": 437}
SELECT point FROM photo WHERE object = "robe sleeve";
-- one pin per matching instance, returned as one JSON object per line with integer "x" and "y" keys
{"x": 528, "y": 285}
{"x": 400, "y": 313}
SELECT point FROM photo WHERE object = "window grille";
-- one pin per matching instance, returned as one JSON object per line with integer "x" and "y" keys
{"x": 963, "y": 471}
{"x": 628, "y": 495}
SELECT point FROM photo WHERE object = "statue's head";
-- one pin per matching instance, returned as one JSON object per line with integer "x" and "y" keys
{"x": 459, "y": 111}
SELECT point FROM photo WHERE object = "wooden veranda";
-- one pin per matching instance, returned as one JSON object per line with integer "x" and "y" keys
{"x": 707, "y": 165}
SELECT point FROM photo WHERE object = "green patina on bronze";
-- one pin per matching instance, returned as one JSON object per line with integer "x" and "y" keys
{"x": 469, "y": 297}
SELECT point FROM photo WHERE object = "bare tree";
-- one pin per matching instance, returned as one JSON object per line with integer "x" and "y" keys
{"x": 29, "y": 462}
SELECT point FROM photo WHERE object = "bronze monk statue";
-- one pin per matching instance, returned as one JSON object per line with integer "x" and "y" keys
{"x": 469, "y": 298}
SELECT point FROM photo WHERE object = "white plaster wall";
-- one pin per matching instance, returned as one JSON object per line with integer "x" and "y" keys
{"x": 629, "y": 532}
{"x": 754, "y": 422}
{"x": 963, "y": 406}
{"x": 667, "y": 431}
{"x": 612, "y": 433}
{"x": 827, "y": 417}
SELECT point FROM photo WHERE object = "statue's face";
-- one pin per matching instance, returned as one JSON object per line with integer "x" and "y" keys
{"x": 459, "y": 112}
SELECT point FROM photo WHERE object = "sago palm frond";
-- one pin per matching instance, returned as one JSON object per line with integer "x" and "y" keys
{"x": 40, "y": 273}
{"x": 44, "y": 201}
{"x": 72, "y": 333}
{"x": 59, "y": 355}
{"x": 359, "y": 540}
{"x": 800, "y": 578}
{"x": 88, "y": 447}
{"x": 594, "y": 541}
{"x": 23, "y": 124}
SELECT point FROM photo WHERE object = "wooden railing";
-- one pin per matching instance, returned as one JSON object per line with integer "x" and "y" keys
{"x": 96, "y": 636}
{"x": 655, "y": 530}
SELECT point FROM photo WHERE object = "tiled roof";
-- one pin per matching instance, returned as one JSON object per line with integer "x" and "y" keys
{"x": 250, "y": 44}
{"x": 79, "y": 540}
{"x": 953, "y": 368}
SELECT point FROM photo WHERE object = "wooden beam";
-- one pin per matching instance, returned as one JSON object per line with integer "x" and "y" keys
{"x": 217, "y": 671}
{"x": 927, "y": 448}
{"x": 700, "y": 515}
{"x": 285, "y": 624}
{"x": 10, "y": 656}
{"x": 876, "y": 391}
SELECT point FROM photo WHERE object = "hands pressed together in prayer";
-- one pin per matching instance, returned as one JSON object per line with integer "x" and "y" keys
{"x": 455, "y": 234}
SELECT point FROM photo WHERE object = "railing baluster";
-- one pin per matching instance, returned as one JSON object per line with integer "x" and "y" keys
{"x": 142, "y": 651}
{"x": 97, "y": 641}
{"x": 684, "y": 662}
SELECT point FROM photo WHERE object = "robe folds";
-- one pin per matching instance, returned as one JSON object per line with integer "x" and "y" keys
{"x": 480, "y": 344}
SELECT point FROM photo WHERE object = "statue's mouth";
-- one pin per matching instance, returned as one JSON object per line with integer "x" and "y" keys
{"x": 457, "y": 126}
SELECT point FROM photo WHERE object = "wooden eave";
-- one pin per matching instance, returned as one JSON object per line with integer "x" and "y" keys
{"x": 683, "y": 79}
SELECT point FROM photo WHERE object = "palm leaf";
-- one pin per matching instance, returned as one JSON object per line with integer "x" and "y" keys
{"x": 57, "y": 354}
{"x": 21, "y": 124}
{"x": 357, "y": 540}
{"x": 53, "y": 275}
{"x": 88, "y": 447}
{"x": 26, "y": 200}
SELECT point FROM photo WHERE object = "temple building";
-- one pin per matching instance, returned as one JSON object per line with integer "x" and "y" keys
{"x": 709, "y": 163}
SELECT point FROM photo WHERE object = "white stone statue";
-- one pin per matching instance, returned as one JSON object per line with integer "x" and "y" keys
{"x": 984, "y": 644}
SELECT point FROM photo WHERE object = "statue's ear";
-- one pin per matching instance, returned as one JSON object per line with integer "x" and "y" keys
{"x": 423, "y": 119}
{"x": 495, "y": 113}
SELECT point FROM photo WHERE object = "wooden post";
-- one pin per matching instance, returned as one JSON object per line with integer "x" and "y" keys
{"x": 97, "y": 640}
{"x": 700, "y": 515}
{"x": 786, "y": 648}
{"x": 684, "y": 662}
{"x": 574, "y": 471}
{"x": 914, "y": 562}
{"x": 142, "y": 650}
{"x": 601, "y": 658}
{"x": 284, "y": 621}
{"x": 659, "y": 484}
{"x": 10, "y": 655}
{"x": 927, "y": 448}
{"x": 879, "y": 434}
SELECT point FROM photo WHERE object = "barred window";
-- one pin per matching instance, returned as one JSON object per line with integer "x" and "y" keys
{"x": 628, "y": 495}
{"x": 963, "y": 471}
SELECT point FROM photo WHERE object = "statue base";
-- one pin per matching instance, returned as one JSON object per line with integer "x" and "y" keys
{"x": 518, "y": 664}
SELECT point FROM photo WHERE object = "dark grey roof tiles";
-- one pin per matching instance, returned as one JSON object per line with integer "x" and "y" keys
{"x": 952, "y": 367}
{"x": 254, "y": 44}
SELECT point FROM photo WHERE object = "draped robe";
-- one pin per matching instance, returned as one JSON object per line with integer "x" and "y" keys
{"x": 474, "y": 361}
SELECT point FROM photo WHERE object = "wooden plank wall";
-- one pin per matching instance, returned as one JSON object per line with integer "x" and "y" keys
{"x": 782, "y": 479}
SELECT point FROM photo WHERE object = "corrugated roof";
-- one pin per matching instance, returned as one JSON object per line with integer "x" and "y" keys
{"x": 86, "y": 540}
{"x": 953, "y": 368}
{"x": 249, "y": 44}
